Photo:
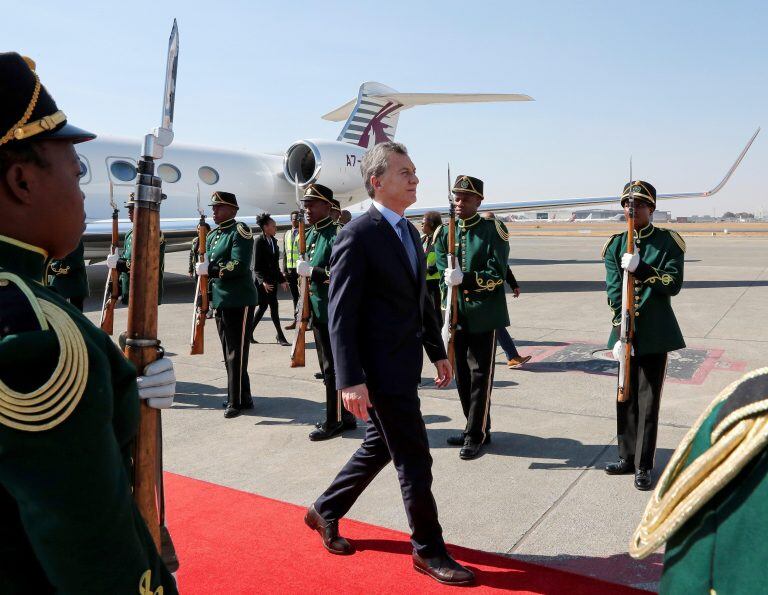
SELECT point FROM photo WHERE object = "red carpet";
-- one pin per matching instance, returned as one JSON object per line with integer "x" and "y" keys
{"x": 235, "y": 542}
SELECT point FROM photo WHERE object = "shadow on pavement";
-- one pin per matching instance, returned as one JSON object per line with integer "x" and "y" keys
{"x": 618, "y": 568}
{"x": 562, "y": 453}
{"x": 519, "y": 573}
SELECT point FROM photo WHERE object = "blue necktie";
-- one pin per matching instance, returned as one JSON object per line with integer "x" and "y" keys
{"x": 405, "y": 237}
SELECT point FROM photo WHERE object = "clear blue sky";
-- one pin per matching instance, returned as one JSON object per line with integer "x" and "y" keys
{"x": 679, "y": 85}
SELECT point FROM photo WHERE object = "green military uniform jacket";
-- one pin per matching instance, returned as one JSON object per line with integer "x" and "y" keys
{"x": 124, "y": 267}
{"x": 658, "y": 277}
{"x": 230, "y": 250}
{"x": 320, "y": 240}
{"x": 482, "y": 251}
{"x": 69, "y": 411}
{"x": 711, "y": 503}
{"x": 67, "y": 275}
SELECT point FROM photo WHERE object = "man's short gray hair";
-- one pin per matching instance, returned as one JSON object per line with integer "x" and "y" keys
{"x": 376, "y": 161}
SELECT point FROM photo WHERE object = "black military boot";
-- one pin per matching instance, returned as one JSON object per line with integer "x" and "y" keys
{"x": 471, "y": 449}
{"x": 326, "y": 432}
{"x": 620, "y": 467}
{"x": 231, "y": 411}
{"x": 643, "y": 480}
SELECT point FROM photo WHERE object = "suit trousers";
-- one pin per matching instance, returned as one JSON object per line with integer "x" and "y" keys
{"x": 637, "y": 418}
{"x": 233, "y": 325}
{"x": 506, "y": 343}
{"x": 396, "y": 433}
{"x": 474, "y": 379}
{"x": 335, "y": 411}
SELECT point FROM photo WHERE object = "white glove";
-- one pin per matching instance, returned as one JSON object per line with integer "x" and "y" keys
{"x": 453, "y": 277}
{"x": 201, "y": 268}
{"x": 629, "y": 262}
{"x": 617, "y": 351}
{"x": 303, "y": 268}
{"x": 112, "y": 259}
{"x": 158, "y": 384}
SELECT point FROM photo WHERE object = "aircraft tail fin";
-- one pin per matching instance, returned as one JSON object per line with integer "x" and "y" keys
{"x": 372, "y": 117}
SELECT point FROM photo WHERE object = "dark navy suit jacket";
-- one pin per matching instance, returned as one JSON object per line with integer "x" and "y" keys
{"x": 379, "y": 318}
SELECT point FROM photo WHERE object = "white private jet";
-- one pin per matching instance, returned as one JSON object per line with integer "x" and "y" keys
{"x": 266, "y": 182}
{"x": 262, "y": 182}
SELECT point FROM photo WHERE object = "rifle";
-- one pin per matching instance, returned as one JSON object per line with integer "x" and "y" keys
{"x": 197, "y": 342}
{"x": 627, "y": 331}
{"x": 452, "y": 311}
{"x": 142, "y": 346}
{"x": 302, "y": 316}
{"x": 112, "y": 286}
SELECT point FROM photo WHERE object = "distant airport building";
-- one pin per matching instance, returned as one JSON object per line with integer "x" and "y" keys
{"x": 581, "y": 215}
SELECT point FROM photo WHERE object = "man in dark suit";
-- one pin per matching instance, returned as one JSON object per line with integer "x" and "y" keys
{"x": 266, "y": 268}
{"x": 379, "y": 322}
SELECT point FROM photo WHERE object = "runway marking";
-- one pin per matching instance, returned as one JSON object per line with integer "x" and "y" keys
{"x": 691, "y": 365}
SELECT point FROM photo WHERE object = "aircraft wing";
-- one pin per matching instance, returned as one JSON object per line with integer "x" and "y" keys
{"x": 558, "y": 203}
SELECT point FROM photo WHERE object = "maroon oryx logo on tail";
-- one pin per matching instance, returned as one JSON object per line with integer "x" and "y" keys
{"x": 377, "y": 127}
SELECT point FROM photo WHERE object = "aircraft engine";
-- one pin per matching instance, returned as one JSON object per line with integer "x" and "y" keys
{"x": 330, "y": 163}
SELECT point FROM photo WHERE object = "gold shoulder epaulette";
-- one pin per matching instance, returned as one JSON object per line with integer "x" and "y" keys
{"x": 683, "y": 490}
{"x": 501, "y": 229}
{"x": 437, "y": 233}
{"x": 608, "y": 243}
{"x": 678, "y": 239}
{"x": 244, "y": 231}
{"x": 52, "y": 403}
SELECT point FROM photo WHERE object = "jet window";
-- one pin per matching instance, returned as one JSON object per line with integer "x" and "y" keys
{"x": 208, "y": 175}
{"x": 85, "y": 170}
{"x": 169, "y": 173}
{"x": 123, "y": 170}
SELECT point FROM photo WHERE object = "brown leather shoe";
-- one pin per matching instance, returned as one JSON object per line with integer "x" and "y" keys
{"x": 517, "y": 362}
{"x": 291, "y": 326}
{"x": 329, "y": 531}
{"x": 443, "y": 569}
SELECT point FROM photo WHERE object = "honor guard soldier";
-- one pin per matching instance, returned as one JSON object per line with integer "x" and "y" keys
{"x": 319, "y": 202}
{"x": 482, "y": 250}
{"x": 710, "y": 508}
{"x": 69, "y": 400}
{"x": 229, "y": 249}
{"x": 657, "y": 268}
{"x": 122, "y": 261}
{"x": 68, "y": 278}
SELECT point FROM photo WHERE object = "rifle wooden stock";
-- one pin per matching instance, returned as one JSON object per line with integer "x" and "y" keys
{"x": 142, "y": 327}
{"x": 112, "y": 287}
{"x": 299, "y": 340}
{"x": 197, "y": 345}
{"x": 624, "y": 388}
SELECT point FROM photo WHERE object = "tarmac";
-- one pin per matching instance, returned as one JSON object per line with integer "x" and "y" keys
{"x": 538, "y": 492}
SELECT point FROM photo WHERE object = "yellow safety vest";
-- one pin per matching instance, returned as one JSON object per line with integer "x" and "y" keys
{"x": 291, "y": 246}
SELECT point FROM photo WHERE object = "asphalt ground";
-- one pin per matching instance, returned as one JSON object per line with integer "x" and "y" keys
{"x": 538, "y": 492}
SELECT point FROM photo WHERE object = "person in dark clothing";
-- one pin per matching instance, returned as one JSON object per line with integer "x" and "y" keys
{"x": 266, "y": 269}
{"x": 289, "y": 260}
{"x": 431, "y": 226}
{"x": 503, "y": 339}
